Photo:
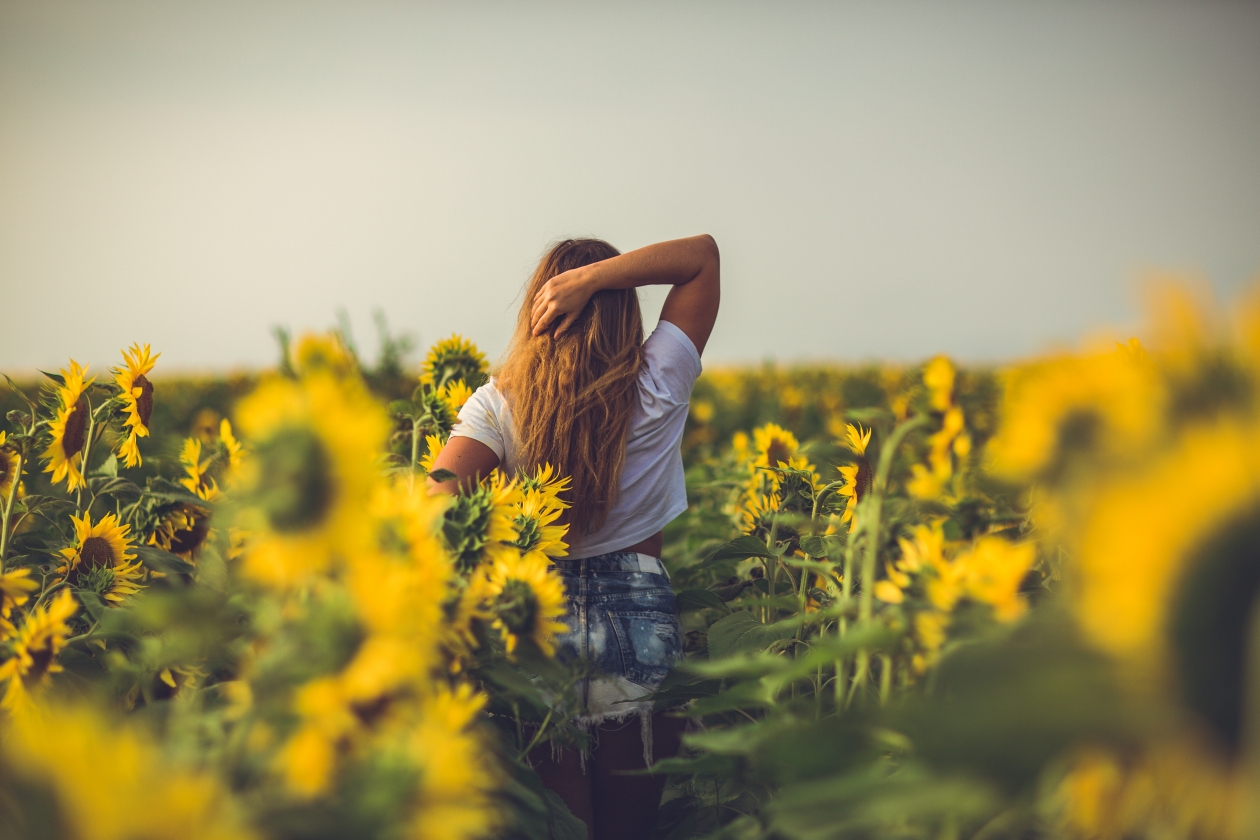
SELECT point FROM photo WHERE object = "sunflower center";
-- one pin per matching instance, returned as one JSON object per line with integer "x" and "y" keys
{"x": 517, "y": 606}
{"x": 96, "y": 551}
{"x": 296, "y": 487}
{"x": 370, "y": 711}
{"x": 144, "y": 402}
{"x": 187, "y": 540}
{"x": 6, "y": 466}
{"x": 862, "y": 484}
{"x": 1211, "y": 627}
{"x": 41, "y": 659}
{"x": 75, "y": 435}
{"x": 777, "y": 453}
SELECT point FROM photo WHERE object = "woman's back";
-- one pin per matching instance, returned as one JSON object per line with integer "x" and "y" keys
{"x": 651, "y": 488}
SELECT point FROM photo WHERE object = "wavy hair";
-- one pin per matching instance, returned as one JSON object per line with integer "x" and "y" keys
{"x": 571, "y": 397}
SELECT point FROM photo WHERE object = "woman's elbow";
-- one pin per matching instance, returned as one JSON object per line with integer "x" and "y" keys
{"x": 709, "y": 248}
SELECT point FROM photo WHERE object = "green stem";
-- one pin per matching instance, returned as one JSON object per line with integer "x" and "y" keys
{"x": 870, "y": 515}
{"x": 8, "y": 511}
{"x": 770, "y": 581}
{"x": 885, "y": 678}
{"x": 87, "y": 456}
{"x": 415, "y": 444}
{"x": 537, "y": 736}
{"x": 50, "y": 590}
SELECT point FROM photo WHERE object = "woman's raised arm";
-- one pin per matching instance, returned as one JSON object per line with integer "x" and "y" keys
{"x": 692, "y": 266}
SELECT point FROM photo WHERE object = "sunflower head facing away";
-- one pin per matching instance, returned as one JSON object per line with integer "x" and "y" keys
{"x": 856, "y": 438}
{"x": 454, "y": 359}
{"x": 101, "y": 559}
{"x": 481, "y": 523}
{"x": 68, "y": 430}
{"x": 548, "y": 483}
{"x": 136, "y": 393}
{"x": 535, "y": 524}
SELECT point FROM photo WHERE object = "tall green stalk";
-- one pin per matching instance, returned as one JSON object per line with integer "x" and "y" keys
{"x": 870, "y": 520}
{"x": 8, "y": 512}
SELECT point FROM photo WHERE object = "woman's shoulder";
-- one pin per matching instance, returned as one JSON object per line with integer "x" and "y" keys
{"x": 671, "y": 364}
{"x": 487, "y": 398}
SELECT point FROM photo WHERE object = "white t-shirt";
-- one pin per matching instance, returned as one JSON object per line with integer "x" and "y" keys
{"x": 653, "y": 491}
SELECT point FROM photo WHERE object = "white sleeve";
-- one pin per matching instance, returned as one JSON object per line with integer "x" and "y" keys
{"x": 481, "y": 419}
{"x": 672, "y": 362}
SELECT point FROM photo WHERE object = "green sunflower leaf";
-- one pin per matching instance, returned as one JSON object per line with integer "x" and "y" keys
{"x": 162, "y": 561}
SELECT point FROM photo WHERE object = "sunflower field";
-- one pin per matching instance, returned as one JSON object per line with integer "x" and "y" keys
{"x": 920, "y": 601}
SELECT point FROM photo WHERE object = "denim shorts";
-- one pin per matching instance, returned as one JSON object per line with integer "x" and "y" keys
{"x": 624, "y": 621}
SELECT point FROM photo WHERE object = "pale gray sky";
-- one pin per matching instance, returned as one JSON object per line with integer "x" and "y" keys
{"x": 884, "y": 179}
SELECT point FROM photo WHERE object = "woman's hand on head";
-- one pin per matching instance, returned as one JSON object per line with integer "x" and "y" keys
{"x": 560, "y": 301}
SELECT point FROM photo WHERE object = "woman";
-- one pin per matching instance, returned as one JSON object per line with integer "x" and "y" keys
{"x": 581, "y": 390}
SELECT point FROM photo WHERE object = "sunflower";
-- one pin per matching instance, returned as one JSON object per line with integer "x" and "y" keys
{"x": 433, "y": 445}
{"x": 481, "y": 524}
{"x": 928, "y": 482}
{"x": 1096, "y": 409}
{"x": 1159, "y": 526}
{"x": 455, "y": 393}
{"x": 454, "y": 358}
{"x": 992, "y": 571}
{"x": 101, "y": 559}
{"x": 314, "y": 444}
{"x": 547, "y": 483}
{"x": 399, "y": 587}
{"x": 8, "y": 468}
{"x": 35, "y": 650}
{"x": 525, "y": 599}
{"x": 1105, "y": 795}
{"x": 136, "y": 393}
{"x": 857, "y": 476}
{"x": 453, "y": 800}
{"x": 147, "y": 795}
{"x": 773, "y": 446}
{"x": 182, "y": 530}
{"x": 777, "y": 468}
{"x": 338, "y": 713}
{"x": 938, "y": 376}
{"x": 756, "y": 512}
{"x": 16, "y": 587}
{"x": 536, "y": 514}
{"x": 440, "y": 414}
{"x": 233, "y": 452}
{"x": 324, "y": 353}
{"x": 69, "y": 429}
{"x": 195, "y": 478}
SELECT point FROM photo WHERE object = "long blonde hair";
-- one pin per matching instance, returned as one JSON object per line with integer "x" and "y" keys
{"x": 571, "y": 397}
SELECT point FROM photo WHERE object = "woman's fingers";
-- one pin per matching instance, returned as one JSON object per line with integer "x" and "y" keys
{"x": 537, "y": 315}
{"x": 541, "y": 319}
{"x": 565, "y": 324}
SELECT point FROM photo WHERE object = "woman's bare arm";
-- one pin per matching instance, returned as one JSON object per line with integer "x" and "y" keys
{"x": 470, "y": 460}
{"x": 691, "y": 266}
